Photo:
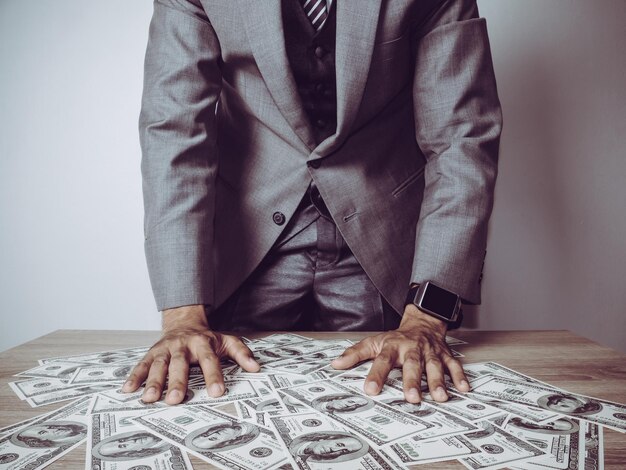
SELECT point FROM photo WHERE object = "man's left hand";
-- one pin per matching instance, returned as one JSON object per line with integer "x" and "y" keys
{"x": 419, "y": 347}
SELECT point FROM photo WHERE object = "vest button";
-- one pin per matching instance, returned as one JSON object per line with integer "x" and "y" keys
{"x": 278, "y": 218}
{"x": 320, "y": 52}
{"x": 315, "y": 164}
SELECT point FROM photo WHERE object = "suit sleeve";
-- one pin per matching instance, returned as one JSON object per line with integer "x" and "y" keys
{"x": 182, "y": 84}
{"x": 458, "y": 123}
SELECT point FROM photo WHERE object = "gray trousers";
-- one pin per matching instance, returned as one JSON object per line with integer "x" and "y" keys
{"x": 310, "y": 280}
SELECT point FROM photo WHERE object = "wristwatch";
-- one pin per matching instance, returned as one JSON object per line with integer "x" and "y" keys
{"x": 437, "y": 302}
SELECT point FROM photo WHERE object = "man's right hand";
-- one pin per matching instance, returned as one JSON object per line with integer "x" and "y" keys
{"x": 187, "y": 340}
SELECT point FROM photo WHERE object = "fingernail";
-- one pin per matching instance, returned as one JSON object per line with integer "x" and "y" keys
{"x": 215, "y": 390}
{"x": 126, "y": 385}
{"x": 464, "y": 384}
{"x": 413, "y": 393}
{"x": 151, "y": 391}
{"x": 441, "y": 392}
{"x": 371, "y": 388}
{"x": 174, "y": 395}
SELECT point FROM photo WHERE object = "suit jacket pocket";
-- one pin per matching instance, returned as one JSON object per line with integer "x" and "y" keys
{"x": 402, "y": 187}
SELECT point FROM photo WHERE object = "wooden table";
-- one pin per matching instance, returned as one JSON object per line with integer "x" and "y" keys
{"x": 557, "y": 357}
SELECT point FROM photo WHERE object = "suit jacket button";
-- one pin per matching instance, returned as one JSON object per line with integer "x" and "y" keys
{"x": 279, "y": 218}
{"x": 320, "y": 52}
{"x": 315, "y": 164}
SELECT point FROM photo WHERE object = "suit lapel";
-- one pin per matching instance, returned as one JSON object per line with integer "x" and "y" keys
{"x": 264, "y": 27}
{"x": 357, "y": 22}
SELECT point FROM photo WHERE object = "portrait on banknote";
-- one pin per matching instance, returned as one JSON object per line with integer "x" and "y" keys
{"x": 328, "y": 447}
{"x": 563, "y": 403}
{"x": 130, "y": 446}
{"x": 51, "y": 434}
{"x": 558, "y": 426}
{"x": 342, "y": 403}
{"x": 221, "y": 437}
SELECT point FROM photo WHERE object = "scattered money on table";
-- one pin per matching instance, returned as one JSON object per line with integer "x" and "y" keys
{"x": 300, "y": 413}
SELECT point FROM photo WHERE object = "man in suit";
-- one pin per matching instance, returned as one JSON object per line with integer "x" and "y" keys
{"x": 305, "y": 163}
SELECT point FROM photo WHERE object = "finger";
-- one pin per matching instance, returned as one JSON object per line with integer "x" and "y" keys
{"x": 455, "y": 369}
{"x": 240, "y": 353}
{"x": 156, "y": 378}
{"x": 435, "y": 379}
{"x": 178, "y": 378}
{"x": 412, "y": 378}
{"x": 137, "y": 375}
{"x": 379, "y": 371}
{"x": 211, "y": 369}
{"x": 360, "y": 352}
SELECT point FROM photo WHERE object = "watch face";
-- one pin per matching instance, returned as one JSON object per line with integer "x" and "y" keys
{"x": 439, "y": 301}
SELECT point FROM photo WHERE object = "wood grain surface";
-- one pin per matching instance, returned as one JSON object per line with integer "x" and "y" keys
{"x": 557, "y": 357}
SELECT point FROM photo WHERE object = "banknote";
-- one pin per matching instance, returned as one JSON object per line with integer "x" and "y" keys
{"x": 560, "y": 439}
{"x": 116, "y": 400}
{"x": 497, "y": 448}
{"x": 38, "y": 386}
{"x": 62, "y": 370}
{"x": 375, "y": 421}
{"x": 313, "y": 441}
{"x": 480, "y": 370}
{"x": 528, "y": 412}
{"x": 409, "y": 451}
{"x": 70, "y": 394}
{"x": 115, "y": 442}
{"x": 464, "y": 407}
{"x": 598, "y": 411}
{"x": 103, "y": 357}
{"x": 290, "y": 351}
{"x": 97, "y": 374}
{"x": 45, "y": 439}
{"x": 216, "y": 437}
{"x": 454, "y": 341}
{"x": 285, "y": 338}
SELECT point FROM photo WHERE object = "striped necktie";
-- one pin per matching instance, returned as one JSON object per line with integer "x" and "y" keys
{"x": 316, "y": 11}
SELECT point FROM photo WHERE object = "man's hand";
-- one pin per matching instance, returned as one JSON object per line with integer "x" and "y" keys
{"x": 419, "y": 346}
{"x": 187, "y": 340}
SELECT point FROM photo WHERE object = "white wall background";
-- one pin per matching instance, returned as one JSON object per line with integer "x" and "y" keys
{"x": 71, "y": 243}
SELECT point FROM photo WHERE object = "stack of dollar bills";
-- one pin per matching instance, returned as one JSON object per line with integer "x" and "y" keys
{"x": 300, "y": 413}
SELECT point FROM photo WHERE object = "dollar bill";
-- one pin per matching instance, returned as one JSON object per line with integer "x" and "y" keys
{"x": 38, "y": 386}
{"x": 216, "y": 437}
{"x": 598, "y": 411}
{"x": 466, "y": 408}
{"x": 69, "y": 394}
{"x": 116, "y": 400}
{"x": 285, "y": 338}
{"x": 313, "y": 441}
{"x": 497, "y": 448}
{"x": 478, "y": 371}
{"x": 528, "y": 412}
{"x": 11, "y": 428}
{"x": 291, "y": 351}
{"x": 115, "y": 442}
{"x": 454, "y": 341}
{"x": 98, "y": 374}
{"x": 375, "y": 421}
{"x": 62, "y": 370}
{"x": 409, "y": 451}
{"x": 103, "y": 357}
{"x": 45, "y": 439}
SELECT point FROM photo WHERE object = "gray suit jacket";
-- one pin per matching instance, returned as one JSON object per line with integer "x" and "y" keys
{"x": 408, "y": 176}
